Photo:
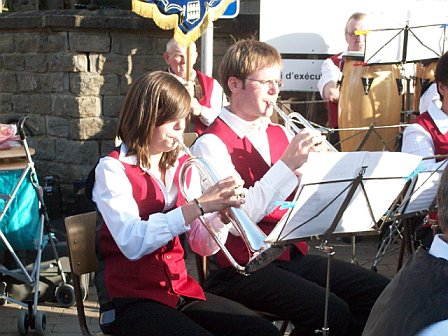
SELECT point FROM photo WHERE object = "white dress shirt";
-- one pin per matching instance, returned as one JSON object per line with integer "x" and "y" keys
{"x": 217, "y": 100}
{"x": 329, "y": 73}
{"x": 276, "y": 185}
{"x": 428, "y": 96}
{"x": 416, "y": 140}
{"x": 112, "y": 194}
{"x": 439, "y": 249}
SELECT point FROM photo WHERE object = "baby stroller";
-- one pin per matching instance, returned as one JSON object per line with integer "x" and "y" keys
{"x": 24, "y": 226}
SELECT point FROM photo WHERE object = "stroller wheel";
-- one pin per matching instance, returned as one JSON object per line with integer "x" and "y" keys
{"x": 2, "y": 293}
{"x": 40, "y": 322}
{"x": 23, "y": 323}
{"x": 65, "y": 295}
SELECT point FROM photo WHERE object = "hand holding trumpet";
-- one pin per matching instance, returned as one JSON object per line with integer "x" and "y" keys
{"x": 226, "y": 193}
{"x": 305, "y": 141}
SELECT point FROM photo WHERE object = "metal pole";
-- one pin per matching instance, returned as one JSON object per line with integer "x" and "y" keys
{"x": 207, "y": 51}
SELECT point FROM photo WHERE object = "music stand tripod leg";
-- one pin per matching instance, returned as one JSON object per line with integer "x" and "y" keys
{"x": 328, "y": 250}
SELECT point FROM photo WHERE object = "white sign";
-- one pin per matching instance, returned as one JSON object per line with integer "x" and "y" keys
{"x": 302, "y": 74}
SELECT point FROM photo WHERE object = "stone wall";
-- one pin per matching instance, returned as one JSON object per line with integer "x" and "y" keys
{"x": 69, "y": 71}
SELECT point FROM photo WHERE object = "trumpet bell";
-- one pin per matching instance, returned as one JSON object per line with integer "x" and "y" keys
{"x": 263, "y": 258}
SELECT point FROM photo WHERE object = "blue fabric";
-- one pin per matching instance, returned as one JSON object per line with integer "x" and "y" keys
{"x": 191, "y": 13}
{"x": 20, "y": 224}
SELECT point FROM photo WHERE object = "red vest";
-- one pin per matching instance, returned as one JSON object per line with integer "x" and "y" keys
{"x": 251, "y": 166}
{"x": 160, "y": 276}
{"x": 207, "y": 89}
{"x": 332, "y": 108}
{"x": 440, "y": 140}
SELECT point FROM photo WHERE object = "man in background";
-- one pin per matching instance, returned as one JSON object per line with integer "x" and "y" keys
{"x": 207, "y": 94}
{"x": 332, "y": 67}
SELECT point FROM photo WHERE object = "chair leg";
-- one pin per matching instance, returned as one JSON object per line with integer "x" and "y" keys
{"x": 80, "y": 305}
{"x": 283, "y": 327}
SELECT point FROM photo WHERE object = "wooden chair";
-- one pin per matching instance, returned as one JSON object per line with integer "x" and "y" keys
{"x": 81, "y": 249}
{"x": 202, "y": 267}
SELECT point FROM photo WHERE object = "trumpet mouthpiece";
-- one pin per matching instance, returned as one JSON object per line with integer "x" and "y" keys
{"x": 184, "y": 148}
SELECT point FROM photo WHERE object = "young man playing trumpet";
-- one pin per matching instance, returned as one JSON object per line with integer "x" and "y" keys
{"x": 243, "y": 142}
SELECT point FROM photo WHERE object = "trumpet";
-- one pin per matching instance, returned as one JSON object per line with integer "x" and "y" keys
{"x": 302, "y": 120}
{"x": 261, "y": 253}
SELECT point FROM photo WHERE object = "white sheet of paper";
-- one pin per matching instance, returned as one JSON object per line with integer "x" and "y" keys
{"x": 325, "y": 183}
{"x": 386, "y": 46}
{"x": 422, "y": 194}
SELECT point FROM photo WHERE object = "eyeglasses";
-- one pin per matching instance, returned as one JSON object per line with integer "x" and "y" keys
{"x": 268, "y": 83}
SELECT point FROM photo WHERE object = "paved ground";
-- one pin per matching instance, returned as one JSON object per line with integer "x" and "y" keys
{"x": 63, "y": 321}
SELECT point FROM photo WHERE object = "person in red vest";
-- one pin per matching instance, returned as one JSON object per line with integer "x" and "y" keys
{"x": 427, "y": 136}
{"x": 331, "y": 71}
{"x": 206, "y": 92}
{"x": 244, "y": 142}
{"x": 415, "y": 301}
{"x": 136, "y": 192}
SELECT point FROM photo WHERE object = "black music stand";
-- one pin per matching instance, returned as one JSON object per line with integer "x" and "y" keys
{"x": 346, "y": 180}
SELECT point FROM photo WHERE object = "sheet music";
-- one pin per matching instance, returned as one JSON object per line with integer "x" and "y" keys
{"x": 390, "y": 46}
{"x": 325, "y": 183}
{"x": 421, "y": 195}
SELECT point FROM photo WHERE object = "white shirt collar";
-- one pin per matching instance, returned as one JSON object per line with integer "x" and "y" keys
{"x": 242, "y": 127}
{"x": 439, "y": 117}
{"x": 439, "y": 248}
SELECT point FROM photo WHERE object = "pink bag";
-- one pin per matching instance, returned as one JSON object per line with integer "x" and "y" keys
{"x": 8, "y": 137}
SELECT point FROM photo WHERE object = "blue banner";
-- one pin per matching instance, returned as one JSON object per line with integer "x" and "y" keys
{"x": 188, "y": 18}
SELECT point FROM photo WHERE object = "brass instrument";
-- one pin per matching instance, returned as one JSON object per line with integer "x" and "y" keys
{"x": 289, "y": 123}
{"x": 261, "y": 253}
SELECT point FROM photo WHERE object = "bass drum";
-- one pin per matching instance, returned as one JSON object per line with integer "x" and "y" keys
{"x": 424, "y": 75}
{"x": 369, "y": 95}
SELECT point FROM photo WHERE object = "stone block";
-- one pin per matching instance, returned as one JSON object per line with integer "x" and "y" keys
{"x": 6, "y": 103}
{"x": 88, "y": 107}
{"x": 112, "y": 106}
{"x": 110, "y": 63}
{"x": 106, "y": 147}
{"x": 14, "y": 62}
{"x": 45, "y": 82}
{"x": 124, "y": 44}
{"x": 76, "y": 151}
{"x": 89, "y": 42}
{"x": 38, "y": 105}
{"x": 27, "y": 82}
{"x": 86, "y": 84}
{"x": 142, "y": 64}
{"x": 8, "y": 82}
{"x": 64, "y": 105}
{"x": 27, "y": 42}
{"x": 92, "y": 128}
{"x": 58, "y": 127}
{"x": 36, "y": 62}
{"x": 53, "y": 42}
{"x": 67, "y": 62}
{"x": 6, "y": 42}
{"x": 110, "y": 85}
{"x": 45, "y": 147}
{"x": 75, "y": 107}
{"x": 54, "y": 82}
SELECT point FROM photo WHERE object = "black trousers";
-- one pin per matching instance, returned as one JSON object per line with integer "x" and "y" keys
{"x": 215, "y": 316}
{"x": 295, "y": 291}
